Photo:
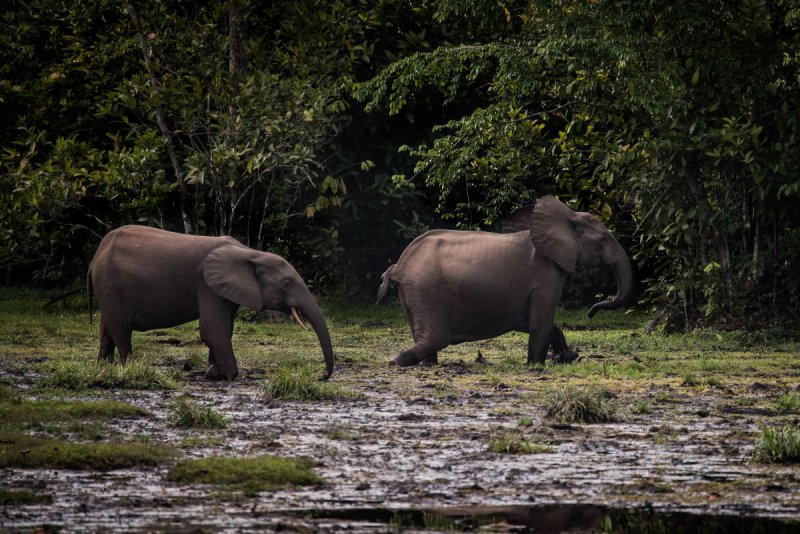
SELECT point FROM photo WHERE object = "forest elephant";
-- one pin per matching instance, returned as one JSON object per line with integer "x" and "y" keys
{"x": 458, "y": 286}
{"x": 145, "y": 278}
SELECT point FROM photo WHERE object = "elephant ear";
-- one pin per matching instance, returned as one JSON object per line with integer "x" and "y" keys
{"x": 230, "y": 273}
{"x": 553, "y": 232}
{"x": 518, "y": 221}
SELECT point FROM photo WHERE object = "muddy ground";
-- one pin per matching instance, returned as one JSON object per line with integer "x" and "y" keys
{"x": 415, "y": 441}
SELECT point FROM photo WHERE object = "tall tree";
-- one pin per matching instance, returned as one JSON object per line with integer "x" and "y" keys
{"x": 682, "y": 115}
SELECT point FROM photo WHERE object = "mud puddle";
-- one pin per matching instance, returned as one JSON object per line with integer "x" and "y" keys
{"x": 404, "y": 456}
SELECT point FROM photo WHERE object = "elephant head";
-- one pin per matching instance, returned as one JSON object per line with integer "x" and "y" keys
{"x": 571, "y": 238}
{"x": 264, "y": 281}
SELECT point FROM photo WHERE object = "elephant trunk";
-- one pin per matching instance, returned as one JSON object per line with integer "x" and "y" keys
{"x": 623, "y": 272}
{"x": 314, "y": 316}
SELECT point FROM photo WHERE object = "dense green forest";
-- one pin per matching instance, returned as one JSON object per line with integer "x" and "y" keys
{"x": 333, "y": 132}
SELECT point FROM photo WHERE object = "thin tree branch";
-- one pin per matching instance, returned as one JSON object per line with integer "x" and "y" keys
{"x": 162, "y": 124}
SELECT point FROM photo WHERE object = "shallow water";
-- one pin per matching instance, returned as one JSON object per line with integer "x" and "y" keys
{"x": 421, "y": 462}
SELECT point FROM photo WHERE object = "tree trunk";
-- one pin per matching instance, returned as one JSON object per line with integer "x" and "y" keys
{"x": 237, "y": 60}
{"x": 166, "y": 134}
{"x": 700, "y": 195}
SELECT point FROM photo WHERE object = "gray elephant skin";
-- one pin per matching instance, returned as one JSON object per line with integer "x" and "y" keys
{"x": 458, "y": 286}
{"x": 145, "y": 278}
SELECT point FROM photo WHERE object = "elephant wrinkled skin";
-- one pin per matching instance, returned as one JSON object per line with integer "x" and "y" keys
{"x": 145, "y": 278}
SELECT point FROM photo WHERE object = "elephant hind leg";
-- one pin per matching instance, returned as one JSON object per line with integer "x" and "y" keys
{"x": 106, "y": 344}
{"x": 406, "y": 358}
{"x": 423, "y": 352}
{"x": 111, "y": 336}
{"x": 427, "y": 327}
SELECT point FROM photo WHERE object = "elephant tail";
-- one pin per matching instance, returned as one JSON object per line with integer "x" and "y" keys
{"x": 385, "y": 279}
{"x": 89, "y": 291}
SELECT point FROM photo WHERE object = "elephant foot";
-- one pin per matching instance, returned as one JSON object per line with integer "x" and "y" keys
{"x": 213, "y": 373}
{"x": 431, "y": 359}
{"x": 566, "y": 356}
{"x": 537, "y": 360}
{"x": 406, "y": 359}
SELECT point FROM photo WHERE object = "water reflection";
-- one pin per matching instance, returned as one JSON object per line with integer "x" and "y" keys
{"x": 557, "y": 518}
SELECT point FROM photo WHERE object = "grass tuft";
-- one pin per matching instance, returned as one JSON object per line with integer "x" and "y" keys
{"x": 788, "y": 403}
{"x": 778, "y": 445}
{"x": 341, "y": 434}
{"x": 185, "y": 413}
{"x": 22, "y": 451}
{"x": 249, "y": 475}
{"x": 301, "y": 383}
{"x": 22, "y": 497}
{"x": 642, "y": 407}
{"x": 579, "y": 405}
{"x": 91, "y": 374}
{"x": 514, "y": 442}
{"x": 690, "y": 380}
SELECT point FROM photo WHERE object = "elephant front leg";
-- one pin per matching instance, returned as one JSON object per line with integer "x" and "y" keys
{"x": 216, "y": 330}
{"x": 538, "y": 343}
{"x": 541, "y": 317}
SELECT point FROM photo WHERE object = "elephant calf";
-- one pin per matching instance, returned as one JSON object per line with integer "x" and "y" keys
{"x": 460, "y": 286}
{"x": 145, "y": 278}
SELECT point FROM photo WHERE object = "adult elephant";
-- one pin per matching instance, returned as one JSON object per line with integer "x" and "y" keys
{"x": 145, "y": 278}
{"x": 460, "y": 286}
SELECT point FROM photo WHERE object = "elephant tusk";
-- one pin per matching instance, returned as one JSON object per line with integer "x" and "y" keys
{"x": 296, "y": 317}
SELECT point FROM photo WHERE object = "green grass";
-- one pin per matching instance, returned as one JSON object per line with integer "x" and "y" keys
{"x": 579, "y": 405}
{"x": 301, "y": 383}
{"x": 22, "y": 411}
{"x": 185, "y": 413}
{"x": 690, "y": 380}
{"x": 51, "y": 352}
{"x": 91, "y": 374}
{"x": 524, "y": 422}
{"x": 22, "y": 497}
{"x": 341, "y": 434}
{"x": 249, "y": 475}
{"x": 788, "y": 403}
{"x": 23, "y": 451}
{"x": 513, "y": 441}
{"x": 778, "y": 445}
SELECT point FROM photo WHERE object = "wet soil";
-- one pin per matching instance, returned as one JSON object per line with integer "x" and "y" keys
{"x": 412, "y": 454}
